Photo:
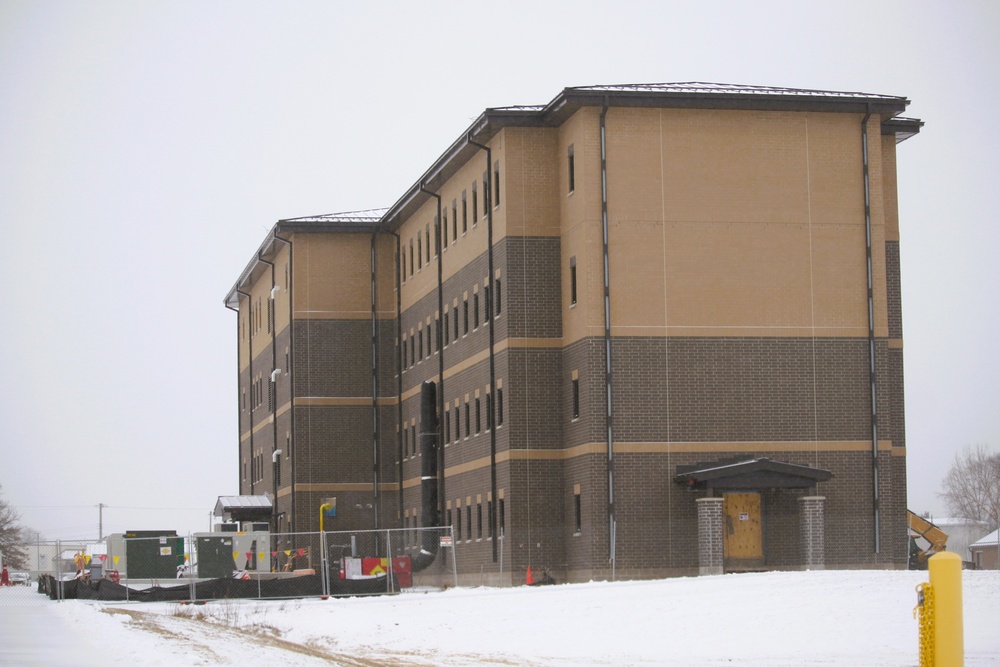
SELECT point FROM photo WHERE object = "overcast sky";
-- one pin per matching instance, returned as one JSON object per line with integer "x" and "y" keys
{"x": 147, "y": 147}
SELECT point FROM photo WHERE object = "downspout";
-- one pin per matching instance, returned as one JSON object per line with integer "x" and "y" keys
{"x": 273, "y": 388}
{"x": 493, "y": 379}
{"x": 375, "y": 435}
{"x": 871, "y": 330}
{"x": 291, "y": 386}
{"x": 430, "y": 515}
{"x": 437, "y": 331}
{"x": 399, "y": 376}
{"x": 250, "y": 371}
{"x": 607, "y": 343}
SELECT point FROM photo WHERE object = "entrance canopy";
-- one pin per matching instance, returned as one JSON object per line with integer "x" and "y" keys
{"x": 759, "y": 473}
{"x": 243, "y": 508}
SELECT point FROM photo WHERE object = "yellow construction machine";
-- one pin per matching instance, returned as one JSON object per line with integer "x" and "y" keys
{"x": 921, "y": 527}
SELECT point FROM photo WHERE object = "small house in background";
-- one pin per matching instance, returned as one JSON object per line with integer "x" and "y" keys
{"x": 985, "y": 553}
{"x": 961, "y": 533}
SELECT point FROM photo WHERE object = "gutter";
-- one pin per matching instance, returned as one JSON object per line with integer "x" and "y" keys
{"x": 612, "y": 524}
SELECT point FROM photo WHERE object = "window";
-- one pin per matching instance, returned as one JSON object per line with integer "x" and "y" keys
{"x": 444, "y": 328}
{"x": 444, "y": 231}
{"x": 468, "y": 522}
{"x": 420, "y": 343}
{"x": 496, "y": 297}
{"x": 404, "y": 353}
{"x": 411, "y": 258}
{"x": 456, "y": 321}
{"x": 465, "y": 316}
{"x": 458, "y": 524}
{"x": 402, "y": 260}
{"x": 489, "y": 412}
{"x": 479, "y": 521}
{"x": 486, "y": 193}
{"x": 496, "y": 184}
{"x": 572, "y": 170}
{"x": 576, "y": 398}
{"x": 475, "y": 208}
{"x": 478, "y": 419}
{"x": 577, "y": 514}
{"x": 475, "y": 310}
{"x": 437, "y": 329}
{"x": 449, "y": 522}
{"x": 468, "y": 420}
{"x": 413, "y": 351}
{"x": 420, "y": 252}
{"x": 454, "y": 213}
{"x": 499, "y": 406}
{"x": 572, "y": 281}
{"x": 465, "y": 216}
{"x": 489, "y": 519}
{"x": 437, "y": 233}
{"x": 447, "y": 430}
{"x": 458, "y": 423}
{"x": 427, "y": 232}
{"x": 414, "y": 445}
{"x": 501, "y": 519}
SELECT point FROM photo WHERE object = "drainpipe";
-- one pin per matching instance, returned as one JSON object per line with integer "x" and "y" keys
{"x": 437, "y": 331}
{"x": 612, "y": 526}
{"x": 375, "y": 387}
{"x": 871, "y": 329}
{"x": 489, "y": 319}
{"x": 273, "y": 387}
{"x": 399, "y": 375}
{"x": 291, "y": 386}
{"x": 250, "y": 370}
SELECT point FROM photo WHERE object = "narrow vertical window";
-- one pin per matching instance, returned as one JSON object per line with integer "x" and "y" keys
{"x": 427, "y": 231}
{"x": 456, "y": 322}
{"x": 465, "y": 216}
{"x": 414, "y": 443}
{"x": 497, "y": 300}
{"x": 454, "y": 211}
{"x": 489, "y": 412}
{"x": 404, "y": 353}
{"x": 420, "y": 344}
{"x": 475, "y": 207}
{"x": 413, "y": 351}
{"x": 478, "y": 418}
{"x": 577, "y": 514}
{"x": 468, "y": 522}
{"x": 465, "y": 316}
{"x": 475, "y": 310}
{"x": 487, "y": 307}
{"x": 420, "y": 251}
{"x": 496, "y": 184}
{"x": 458, "y": 423}
{"x": 468, "y": 420}
{"x": 486, "y": 193}
{"x": 479, "y": 521}
{"x": 447, "y": 430}
{"x": 572, "y": 280}
{"x": 501, "y": 519}
{"x": 576, "y": 398}
{"x": 458, "y": 524}
{"x": 499, "y": 406}
{"x": 489, "y": 519}
{"x": 449, "y": 522}
{"x": 572, "y": 169}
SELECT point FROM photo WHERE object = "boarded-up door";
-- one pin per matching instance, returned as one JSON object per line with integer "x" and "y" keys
{"x": 742, "y": 545}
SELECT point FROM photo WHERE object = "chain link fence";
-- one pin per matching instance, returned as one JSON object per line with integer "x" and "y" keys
{"x": 160, "y": 566}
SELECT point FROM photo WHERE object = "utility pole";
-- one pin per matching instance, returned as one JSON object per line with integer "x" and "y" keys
{"x": 100, "y": 522}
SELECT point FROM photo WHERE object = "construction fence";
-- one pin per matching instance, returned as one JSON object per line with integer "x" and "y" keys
{"x": 158, "y": 566}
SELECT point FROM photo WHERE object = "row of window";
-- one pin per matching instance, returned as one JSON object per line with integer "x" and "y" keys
{"x": 256, "y": 315}
{"x": 413, "y": 255}
{"x": 474, "y": 419}
{"x": 474, "y": 524}
{"x": 421, "y": 344}
{"x": 258, "y": 393}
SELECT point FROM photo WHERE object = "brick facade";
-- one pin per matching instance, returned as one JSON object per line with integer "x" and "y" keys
{"x": 737, "y": 286}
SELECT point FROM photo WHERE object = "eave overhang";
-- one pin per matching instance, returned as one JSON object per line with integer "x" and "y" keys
{"x": 758, "y": 473}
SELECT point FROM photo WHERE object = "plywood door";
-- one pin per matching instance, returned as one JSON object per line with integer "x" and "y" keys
{"x": 742, "y": 527}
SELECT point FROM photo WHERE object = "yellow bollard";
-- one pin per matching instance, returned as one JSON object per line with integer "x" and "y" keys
{"x": 945, "y": 571}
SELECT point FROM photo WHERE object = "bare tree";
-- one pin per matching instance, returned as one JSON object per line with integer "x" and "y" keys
{"x": 11, "y": 538}
{"x": 972, "y": 485}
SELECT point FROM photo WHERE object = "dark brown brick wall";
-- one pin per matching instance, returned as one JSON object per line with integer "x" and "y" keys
{"x": 894, "y": 297}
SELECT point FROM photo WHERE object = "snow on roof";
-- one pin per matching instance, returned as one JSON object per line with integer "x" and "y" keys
{"x": 367, "y": 215}
{"x": 705, "y": 88}
{"x": 988, "y": 541}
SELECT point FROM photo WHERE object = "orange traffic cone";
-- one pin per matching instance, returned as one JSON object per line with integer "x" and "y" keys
{"x": 529, "y": 580}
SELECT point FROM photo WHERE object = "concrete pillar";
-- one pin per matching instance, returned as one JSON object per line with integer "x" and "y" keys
{"x": 812, "y": 522}
{"x": 709, "y": 535}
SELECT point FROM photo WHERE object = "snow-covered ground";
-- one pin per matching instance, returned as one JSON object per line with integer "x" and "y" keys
{"x": 788, "y": 618}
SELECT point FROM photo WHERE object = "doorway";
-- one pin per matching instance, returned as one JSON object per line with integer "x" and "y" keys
{"x": 742, "y": 542}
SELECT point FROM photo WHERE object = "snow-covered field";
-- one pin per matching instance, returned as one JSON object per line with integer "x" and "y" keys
{"x": 790, "y": 618}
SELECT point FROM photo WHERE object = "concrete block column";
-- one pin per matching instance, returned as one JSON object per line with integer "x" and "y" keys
{"x": 709, "y": 535}
{"x": 812, "y": 520}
